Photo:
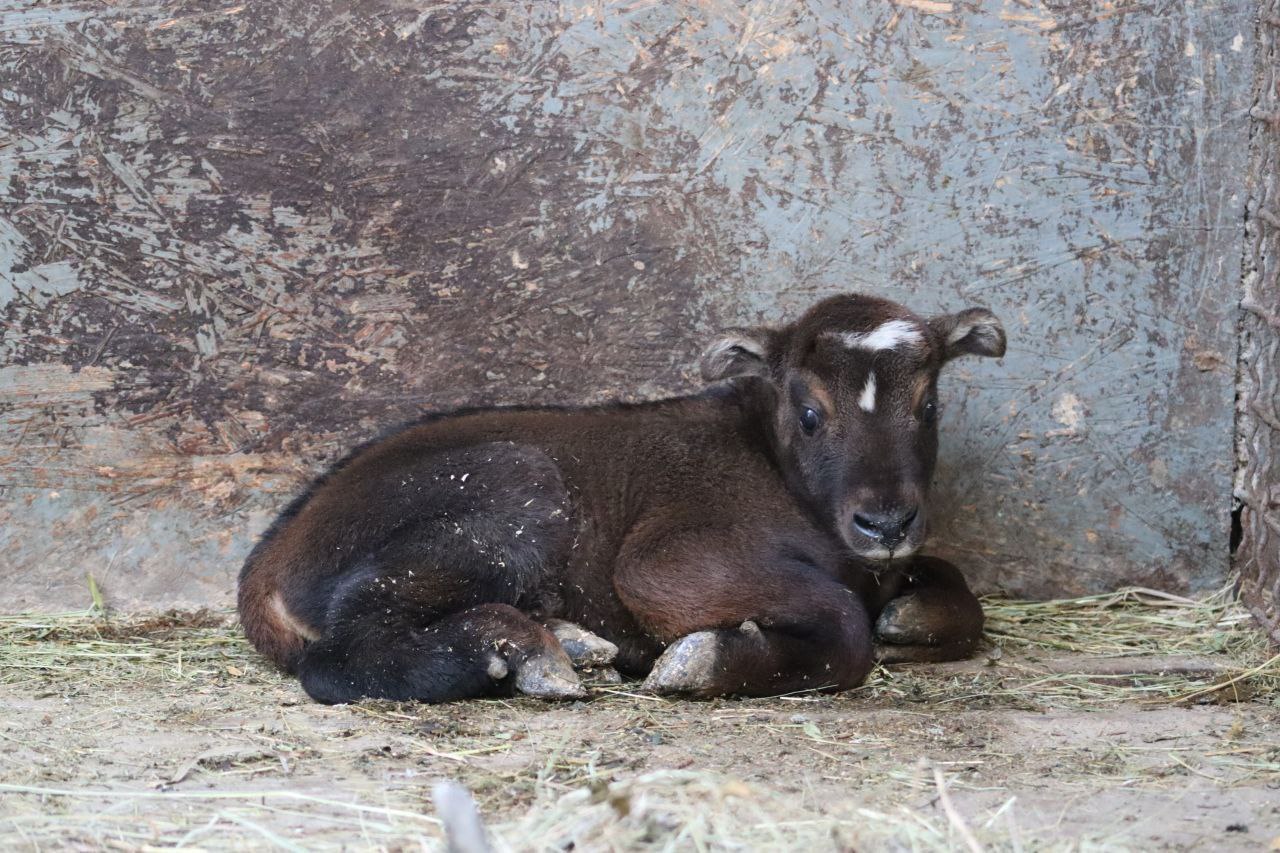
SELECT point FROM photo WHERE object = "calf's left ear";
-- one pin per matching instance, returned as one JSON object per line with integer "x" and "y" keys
{"x": 973, "y": 331}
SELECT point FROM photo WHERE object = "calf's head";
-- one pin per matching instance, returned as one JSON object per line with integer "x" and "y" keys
{"x": 853, "y": 409}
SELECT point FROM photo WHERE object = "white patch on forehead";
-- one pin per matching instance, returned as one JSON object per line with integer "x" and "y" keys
{"x": 867, "y": 400}
{"x": 888, "y": 335}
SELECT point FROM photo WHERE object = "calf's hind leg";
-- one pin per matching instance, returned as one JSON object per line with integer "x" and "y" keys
{"x": 485, "y": 650}
{"x": 431, "y": 611}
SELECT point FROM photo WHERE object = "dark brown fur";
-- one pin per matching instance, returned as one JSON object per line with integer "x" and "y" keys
{"x": 425, "y": 565}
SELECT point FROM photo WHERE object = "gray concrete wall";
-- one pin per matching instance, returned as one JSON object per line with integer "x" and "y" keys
{"x": 236, "y": 238}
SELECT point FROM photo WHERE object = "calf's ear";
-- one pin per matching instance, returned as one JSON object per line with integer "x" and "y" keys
{"x": 973, "y": 331}
{"x": 738, "y": 352}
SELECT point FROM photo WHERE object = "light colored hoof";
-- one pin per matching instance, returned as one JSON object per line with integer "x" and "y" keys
{"x": 688, "y": 665}
{"x": 584, "y": 648}
{"x": 889, "y": 654}
{"x": 497, "y": 667}
{"x": 600, "y": 676}
{"x": 547, "y": 676}
{"x": 903, "y": 621}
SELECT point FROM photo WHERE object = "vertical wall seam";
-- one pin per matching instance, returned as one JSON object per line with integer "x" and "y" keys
{"x": 1257, "y": 440}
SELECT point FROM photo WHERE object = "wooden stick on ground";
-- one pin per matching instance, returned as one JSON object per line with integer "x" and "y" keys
{"x": 952, "y": 815}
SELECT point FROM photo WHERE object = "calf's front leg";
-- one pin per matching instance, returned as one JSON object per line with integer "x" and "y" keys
{"x": 932, "y": 615}
{"x": 738, "y": 628}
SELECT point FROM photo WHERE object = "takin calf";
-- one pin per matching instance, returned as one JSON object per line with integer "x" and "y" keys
{"x": 756, "y": 538}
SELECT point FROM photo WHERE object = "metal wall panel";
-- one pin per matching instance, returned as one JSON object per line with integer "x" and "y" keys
{"x": 236, "y": 238}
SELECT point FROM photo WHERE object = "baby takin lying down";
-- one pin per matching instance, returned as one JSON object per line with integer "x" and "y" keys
{"x": 756, "y": 538}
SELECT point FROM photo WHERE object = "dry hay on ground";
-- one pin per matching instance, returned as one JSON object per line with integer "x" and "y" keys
{"x": 1119, "y": 721}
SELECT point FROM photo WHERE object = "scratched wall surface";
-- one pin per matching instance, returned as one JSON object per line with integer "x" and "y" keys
{"x": 236, "y": 238}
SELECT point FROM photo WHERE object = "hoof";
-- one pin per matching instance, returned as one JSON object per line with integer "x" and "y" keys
{"x": 888, "y": 654}
{"x": 497, "y": 667}
{"x": 548, "y": 676}
{"x": 904, "y": 621}
{"x": 600, "y": 675}
{"x": 687, "y": 666}
{"x": 584, "y": 648}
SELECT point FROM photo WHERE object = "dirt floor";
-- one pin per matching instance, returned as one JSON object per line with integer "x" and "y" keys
{"x": 165, "y": 732}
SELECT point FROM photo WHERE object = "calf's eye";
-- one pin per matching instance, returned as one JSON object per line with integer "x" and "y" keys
{"x": 809, "y": 420}
{"x": 929, "y": 414}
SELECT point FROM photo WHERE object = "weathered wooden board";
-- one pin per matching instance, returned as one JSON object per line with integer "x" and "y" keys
{"x": 237, "y": 237}
{"x": 1258, "y": 400}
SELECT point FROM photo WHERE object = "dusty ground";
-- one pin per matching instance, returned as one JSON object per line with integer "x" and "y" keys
{"x": 158, "y": 734}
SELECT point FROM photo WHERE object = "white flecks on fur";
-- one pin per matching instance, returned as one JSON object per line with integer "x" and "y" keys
{"x": 868, "y": 398}
{"x": 888, "y": 335}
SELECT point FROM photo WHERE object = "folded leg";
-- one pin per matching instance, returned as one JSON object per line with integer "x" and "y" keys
{"x": 737, "y": 627}
{"x": 933, "y": 616}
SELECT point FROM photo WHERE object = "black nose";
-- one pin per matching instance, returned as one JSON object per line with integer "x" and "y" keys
{"x": 887, "y": 528}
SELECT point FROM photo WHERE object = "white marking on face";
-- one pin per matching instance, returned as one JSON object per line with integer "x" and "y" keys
{"x": 888, "y": 335}
{"x": 867, "y": 401}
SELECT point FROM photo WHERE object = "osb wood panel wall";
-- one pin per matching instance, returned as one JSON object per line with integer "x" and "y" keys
{"x": 1258, "y": 401}
{"x": 237, "y": 237}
